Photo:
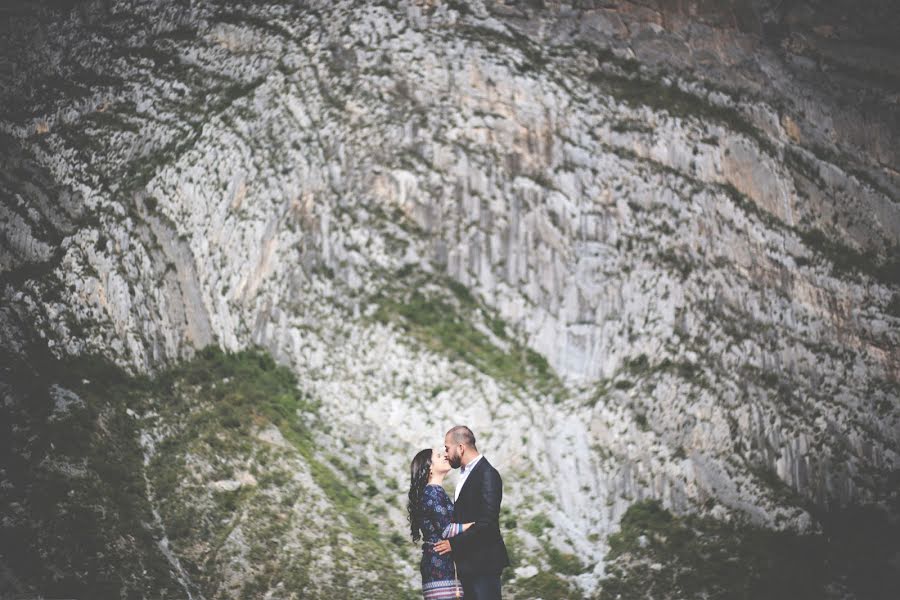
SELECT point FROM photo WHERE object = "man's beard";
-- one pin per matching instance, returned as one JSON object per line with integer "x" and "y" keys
{"x": 455, "y": 461}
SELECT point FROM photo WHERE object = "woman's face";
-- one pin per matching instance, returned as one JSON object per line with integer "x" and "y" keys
{"x": 439, "y": 462}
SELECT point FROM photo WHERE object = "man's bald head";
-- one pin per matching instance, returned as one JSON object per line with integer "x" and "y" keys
{"x": 459, "y": 444}
{"x": 461, "y": 435}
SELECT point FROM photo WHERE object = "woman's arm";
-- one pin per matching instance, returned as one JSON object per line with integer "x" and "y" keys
{"x": 454, "y": 529}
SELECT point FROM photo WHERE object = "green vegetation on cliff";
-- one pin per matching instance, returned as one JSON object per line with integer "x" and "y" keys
{"x": 659, "y": 555}
{"x": 77, "y": 522}
{"x": 445, "y": 317}
{"x": 212, "y": 457}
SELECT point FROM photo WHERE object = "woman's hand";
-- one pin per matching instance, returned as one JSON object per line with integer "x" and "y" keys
{"x": 467, "y": 525}
{"x": 443, "y": 547}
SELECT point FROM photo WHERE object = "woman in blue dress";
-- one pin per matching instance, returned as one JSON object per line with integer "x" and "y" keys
{"x": 431, "y": 519}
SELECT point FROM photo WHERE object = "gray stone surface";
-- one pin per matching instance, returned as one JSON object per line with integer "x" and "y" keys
{"x": 683, "y": 216}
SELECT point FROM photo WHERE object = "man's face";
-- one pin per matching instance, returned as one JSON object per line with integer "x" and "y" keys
{"x": 453, "y": 451}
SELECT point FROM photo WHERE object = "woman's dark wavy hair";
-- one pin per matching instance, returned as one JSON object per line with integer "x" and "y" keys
{"x": 419, "y": 472}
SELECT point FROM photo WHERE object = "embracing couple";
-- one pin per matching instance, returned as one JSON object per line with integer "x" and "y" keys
{"x": 463, "y": 552}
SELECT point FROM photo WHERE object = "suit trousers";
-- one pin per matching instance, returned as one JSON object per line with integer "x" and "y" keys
{"x": 481, "y": 587}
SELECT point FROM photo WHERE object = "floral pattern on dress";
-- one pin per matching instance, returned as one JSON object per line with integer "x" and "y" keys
{"x": 438, "y": 514}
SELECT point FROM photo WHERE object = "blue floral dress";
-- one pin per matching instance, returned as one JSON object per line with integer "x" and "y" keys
{"x": 438, "y": 573}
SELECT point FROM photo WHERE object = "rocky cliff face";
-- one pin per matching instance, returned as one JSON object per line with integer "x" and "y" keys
{"x": 646, "y": 250}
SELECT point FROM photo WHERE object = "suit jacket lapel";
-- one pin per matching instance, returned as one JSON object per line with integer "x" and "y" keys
{"x": 467, "y": 489}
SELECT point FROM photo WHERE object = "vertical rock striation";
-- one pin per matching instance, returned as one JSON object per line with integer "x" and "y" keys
{"x": 646, "y": 250}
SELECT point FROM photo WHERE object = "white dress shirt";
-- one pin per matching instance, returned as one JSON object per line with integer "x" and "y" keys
{"x": 464, "y": 474}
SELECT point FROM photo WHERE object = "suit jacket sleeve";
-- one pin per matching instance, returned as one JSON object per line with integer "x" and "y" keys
{"x": 488, "y": 512}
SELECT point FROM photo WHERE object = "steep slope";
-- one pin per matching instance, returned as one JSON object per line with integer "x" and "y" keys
{"x": 645, "y": 251}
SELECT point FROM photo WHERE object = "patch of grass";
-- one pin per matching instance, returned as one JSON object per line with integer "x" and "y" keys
{"x": 90, "y": 528}
{"x": 799, "y": 164}
{"x": 110, "y": 120}
{"x": 538, "y": 524}
{"x": 514, "y": 551}
{"x": 441, "y": 314}
{"x": 498, "y": 326}
{"x": 507, "y": 518}
{"x": 680, "y": 263}
{"x": 547, "y": 586}
{"x": 844, "y": 260}
{"x": 847, "y": 261}
{"x": 259, "y": 391}
{"x": 780, "y": 491}
{"x": 631, "y": 126}
{"x": 845, "y": 163}
{"x": 563, "y": 562}
{"x": 461, "y": 7}
{"x": 492, "y": 40}
{"x": 687, "y": 371}
{"x": 893, "y": 307}
{"x": 654, "y": 94}
{"x": 76, "y": 518}
{"x": 638, "y": 364}
{"x": 659, "y": 555}
{"x": 641, "y": 420}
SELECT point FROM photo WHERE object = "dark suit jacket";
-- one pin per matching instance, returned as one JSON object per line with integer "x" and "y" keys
{"x": 480, "y": 550}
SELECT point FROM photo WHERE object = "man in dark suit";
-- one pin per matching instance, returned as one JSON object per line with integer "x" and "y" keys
{"x": 479, "y": 551}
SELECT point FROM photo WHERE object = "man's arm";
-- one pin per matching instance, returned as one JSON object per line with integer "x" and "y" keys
{"x": 489, "y": 514}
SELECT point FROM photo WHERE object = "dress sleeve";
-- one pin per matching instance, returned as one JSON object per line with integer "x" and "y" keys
{"x": 438, "y": 509}
{"x": 450, "y": 529}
